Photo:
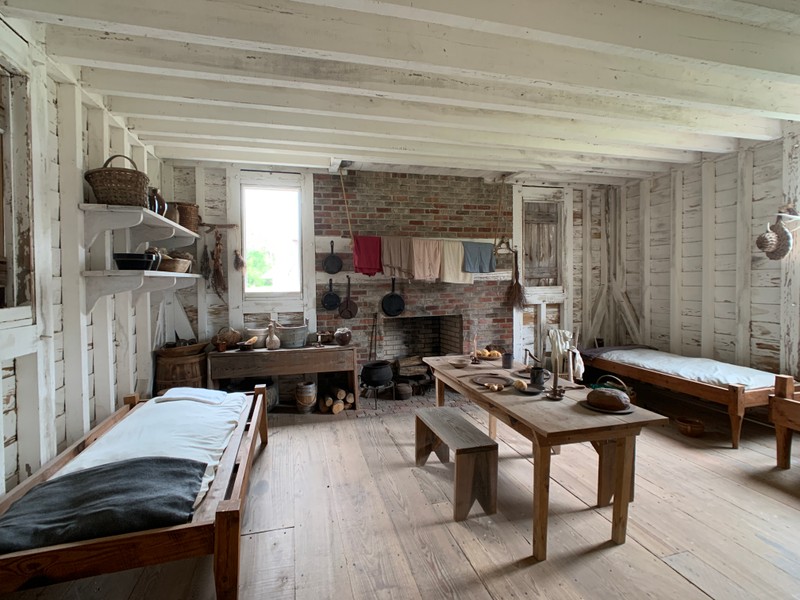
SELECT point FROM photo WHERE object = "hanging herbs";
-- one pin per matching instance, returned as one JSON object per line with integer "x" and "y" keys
{"x": 205, "y": 264}
{"x": 218, "y": 282}
{"x": 238, "y": 261}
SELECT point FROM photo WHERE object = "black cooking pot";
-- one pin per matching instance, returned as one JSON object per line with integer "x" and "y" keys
{"x": 376, "y": 373}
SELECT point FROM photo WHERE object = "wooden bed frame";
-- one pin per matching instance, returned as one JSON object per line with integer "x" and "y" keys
{"x": 734, "y": 396}
{"x": 214, "y": 528}
{"x": 784, "y": 412}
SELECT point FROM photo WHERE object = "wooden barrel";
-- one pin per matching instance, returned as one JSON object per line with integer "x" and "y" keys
{"x": 305, "y": 396}
{"x": 180, "y": 371}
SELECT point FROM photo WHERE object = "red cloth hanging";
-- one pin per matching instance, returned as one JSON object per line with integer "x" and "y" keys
{"x": 367, "y": 254}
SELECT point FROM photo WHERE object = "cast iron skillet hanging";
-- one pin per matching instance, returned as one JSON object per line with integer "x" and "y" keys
{"x": 393, "y": 303}
{"x": 332, "y": 263}
{"x": 330, "y": 300}
{"x": 348, "y": 309}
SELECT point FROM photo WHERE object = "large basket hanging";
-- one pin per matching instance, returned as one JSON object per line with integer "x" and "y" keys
{"x": 189, "y": 215}
{"x": 115, "y": 185}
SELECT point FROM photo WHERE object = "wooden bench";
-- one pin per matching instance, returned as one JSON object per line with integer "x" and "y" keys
{"x": 784, "y": 412}
{"x": 438, "y": 430}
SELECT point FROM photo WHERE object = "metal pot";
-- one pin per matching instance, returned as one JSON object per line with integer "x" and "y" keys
{"x": 376, "y": 373}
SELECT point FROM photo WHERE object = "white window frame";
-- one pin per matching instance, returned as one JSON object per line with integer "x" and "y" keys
{"x": 283, "y": 302}
{"x": 17, "y": 191}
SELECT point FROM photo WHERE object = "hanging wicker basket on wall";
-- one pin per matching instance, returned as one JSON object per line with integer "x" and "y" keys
{"x": 189, "y": 215}
{"x": 776, "y": 242}
{"x": 115, "y": 185}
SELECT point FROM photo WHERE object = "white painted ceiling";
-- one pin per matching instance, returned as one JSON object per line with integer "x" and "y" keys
{"x": 556, "y": 90}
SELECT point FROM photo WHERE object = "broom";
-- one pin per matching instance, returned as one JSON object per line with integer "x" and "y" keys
{"x": 516, "y": 293}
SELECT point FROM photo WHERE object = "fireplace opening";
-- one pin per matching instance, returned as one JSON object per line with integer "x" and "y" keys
{"x": 421, "y": 336}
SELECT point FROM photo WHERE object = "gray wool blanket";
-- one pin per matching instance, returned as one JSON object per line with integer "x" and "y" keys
{"x": 111, "y": 499}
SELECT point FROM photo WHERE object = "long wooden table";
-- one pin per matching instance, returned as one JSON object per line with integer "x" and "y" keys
{"x": 285, "y": 361}
{"x": 553, "y": 423}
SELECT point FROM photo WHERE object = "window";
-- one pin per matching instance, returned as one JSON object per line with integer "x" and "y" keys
{"x": 542, "y": 252}
{"x": 272, "y": 240}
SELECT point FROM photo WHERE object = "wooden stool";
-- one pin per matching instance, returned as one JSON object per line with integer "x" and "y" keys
{"x": 438, "y": 430}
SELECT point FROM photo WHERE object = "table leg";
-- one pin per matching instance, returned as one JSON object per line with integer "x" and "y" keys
{"x": 541, "y": 499}
{"x": 492, "y": 426}
{"x": 623, "y": 485}
{"x": 605, "y": 471}
{"x": 439, "y": 392}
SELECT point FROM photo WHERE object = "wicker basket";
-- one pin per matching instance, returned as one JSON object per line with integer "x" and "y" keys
{"x": 228, "y": 335}
{"x": 174, "y": 265}
{"x": 115, "y": 185}
{"x": 189, "y": 215}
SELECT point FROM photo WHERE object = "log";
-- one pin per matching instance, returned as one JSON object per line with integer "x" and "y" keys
{"x": 323, "y": 406}
{"x": 409, "y": 361}
{"x": 338, "y": 406}
{"x": 327, "y": 400}
{"x": 350, "y": 398}
{"x": 338, "y": 393}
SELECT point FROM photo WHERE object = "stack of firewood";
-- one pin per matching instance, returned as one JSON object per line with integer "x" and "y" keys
{"x": 335, "y": 400}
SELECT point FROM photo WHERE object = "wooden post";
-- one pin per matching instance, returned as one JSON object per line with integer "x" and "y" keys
{"x": 227, "y": 527}
{"x": 744, "y": 256}
{"x": 541, "y": 499}
{"x": 644, "y": 242}
{"x": 790, "y": 288}
{"x": 676, "y": 264}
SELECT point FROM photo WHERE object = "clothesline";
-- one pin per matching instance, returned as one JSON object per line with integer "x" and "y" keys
{"x": 426, "y": 259}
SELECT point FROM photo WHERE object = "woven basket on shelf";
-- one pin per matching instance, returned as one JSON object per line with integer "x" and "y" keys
{"x": 189, "y": 215}
{"x": 115, "y": 185}
{"x": 174, "y": 265}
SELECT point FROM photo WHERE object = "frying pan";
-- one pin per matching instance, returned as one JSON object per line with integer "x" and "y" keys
{"x": 332, "y": 263}
{"x": 348, "y": 309}
{"x": 393, "y": 303}
{"x": 330, "y": 300}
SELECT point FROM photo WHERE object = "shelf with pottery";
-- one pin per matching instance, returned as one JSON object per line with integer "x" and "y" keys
{"x": 145, "y": 226}
{"x": 104, "y": 283}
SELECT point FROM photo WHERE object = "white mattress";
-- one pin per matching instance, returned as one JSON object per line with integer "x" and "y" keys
{"x": 185, "y": 423}
{"x": 704, "y": 370}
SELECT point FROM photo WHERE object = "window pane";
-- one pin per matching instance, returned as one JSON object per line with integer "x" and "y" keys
{"x": 271, "y": 225}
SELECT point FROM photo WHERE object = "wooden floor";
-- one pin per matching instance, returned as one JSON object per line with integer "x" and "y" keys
{"x": 337, "y": 510}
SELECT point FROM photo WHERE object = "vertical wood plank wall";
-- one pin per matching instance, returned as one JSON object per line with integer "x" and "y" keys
{"x": 728, "y": 294}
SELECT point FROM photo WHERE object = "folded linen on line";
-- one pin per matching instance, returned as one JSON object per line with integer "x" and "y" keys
{"x": 479, "y": 257}
{"x": 195, "y": 394}
{"x": 453, "y": 263}
{"x": 397, "y": 255}
{"x": 367, "y": 254}
{"x": 427, "y": 259}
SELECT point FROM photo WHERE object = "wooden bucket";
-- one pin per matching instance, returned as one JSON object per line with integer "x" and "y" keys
{"x": 180, "y": 371}
{"x": 305, "y": 396}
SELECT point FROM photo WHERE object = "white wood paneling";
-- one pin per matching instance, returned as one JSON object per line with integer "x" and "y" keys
{"x": 75, "y": 321}
{"x": 790, "y": 279}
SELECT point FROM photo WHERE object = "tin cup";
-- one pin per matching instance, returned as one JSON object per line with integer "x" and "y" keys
{"x": 508, "y": 360}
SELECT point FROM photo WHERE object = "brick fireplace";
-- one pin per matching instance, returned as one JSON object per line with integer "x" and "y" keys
{"x": 416, "y": 206}
{"x": 419, "y": 336}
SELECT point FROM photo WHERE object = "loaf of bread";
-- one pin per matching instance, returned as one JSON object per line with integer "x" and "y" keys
{"x": 608, "y": 399}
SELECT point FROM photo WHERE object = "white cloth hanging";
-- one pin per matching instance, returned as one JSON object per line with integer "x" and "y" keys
{"x": 559, "y": 348}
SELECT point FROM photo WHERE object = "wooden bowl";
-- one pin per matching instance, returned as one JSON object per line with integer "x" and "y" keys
{"x": 244, "y": 346}
{"x": 690, "y": 427}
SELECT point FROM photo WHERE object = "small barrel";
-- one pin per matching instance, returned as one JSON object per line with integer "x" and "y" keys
{"x": 292, "y": 337}
{"x": 305, "y": 396}
{"x": 180, "y": 371}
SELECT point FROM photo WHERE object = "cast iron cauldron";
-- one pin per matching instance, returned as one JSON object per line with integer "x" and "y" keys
{"x": 376, "y": 373}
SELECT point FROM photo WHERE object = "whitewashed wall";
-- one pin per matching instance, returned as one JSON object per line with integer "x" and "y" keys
{"x": 695, "y": 254}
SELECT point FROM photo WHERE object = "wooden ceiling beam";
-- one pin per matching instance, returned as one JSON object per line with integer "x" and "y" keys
{"x": 765, "y": 82}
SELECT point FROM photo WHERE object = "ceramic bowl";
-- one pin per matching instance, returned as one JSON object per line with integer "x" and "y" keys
{"x": 459, "y": 363}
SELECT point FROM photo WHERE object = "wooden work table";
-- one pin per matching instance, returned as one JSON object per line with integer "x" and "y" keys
{"x": 285, "y": 361}
{"x": 547, "y": 423}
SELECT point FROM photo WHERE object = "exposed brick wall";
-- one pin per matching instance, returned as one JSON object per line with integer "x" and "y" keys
{"x": 416, "y": 206}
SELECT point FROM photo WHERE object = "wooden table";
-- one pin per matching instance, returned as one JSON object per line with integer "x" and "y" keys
{"x": 547, "y": 424}
{"x": 286, "y": 361}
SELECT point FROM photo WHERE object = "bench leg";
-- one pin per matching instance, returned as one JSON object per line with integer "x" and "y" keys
{"x": 475, "y": 479}
{"x": 783, "y": 441}
{"x": 227, "y": 528}
{"x": 736, "y": 426}
{"x": 427, "y": 442}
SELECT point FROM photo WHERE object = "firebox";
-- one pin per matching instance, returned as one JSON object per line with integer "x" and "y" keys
{"x": 421, "y": 336}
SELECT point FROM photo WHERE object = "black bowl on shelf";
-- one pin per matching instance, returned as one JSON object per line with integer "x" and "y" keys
{"x": 131, "y": 261}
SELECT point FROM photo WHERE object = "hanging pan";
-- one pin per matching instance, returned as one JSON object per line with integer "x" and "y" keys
{"x": 393, "y": 303}
{"x": 332, "y": 263}
{"x": 330, "y": 301}
{"x": 348, "y": 309}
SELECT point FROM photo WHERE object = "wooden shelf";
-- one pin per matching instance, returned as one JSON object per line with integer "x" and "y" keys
{"x": 103, "y": 283}
{"x": 145, "y": 226}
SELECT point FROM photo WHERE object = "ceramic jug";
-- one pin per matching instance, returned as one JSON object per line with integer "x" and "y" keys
{"x": 272, "y": 343}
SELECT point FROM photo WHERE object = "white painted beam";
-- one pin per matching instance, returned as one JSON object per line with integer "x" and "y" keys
{"x": 131, "y": 63}
{"x": 562, "y": 60}
{"x": 676, "y": 264}
{"x": 744, "y": 255}
{"x": 73, "y": 260}
{"x": 339, "y": 108}
{"x": 707, "y": 308}
{"x": 644, "y": 249}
